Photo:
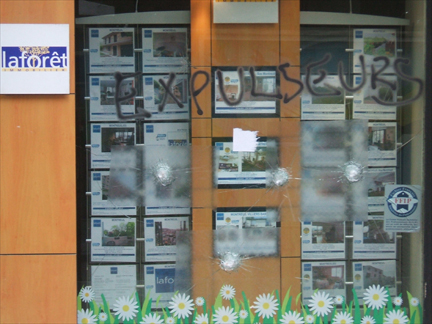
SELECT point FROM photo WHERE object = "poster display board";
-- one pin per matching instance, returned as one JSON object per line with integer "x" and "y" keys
{"x": 160, "y": 237}
{"x": 165, "y": 50}
{"x": 323, "y": 240}
{"x": 155, "y": 93}
{"x": 113, "y": 281}
{"x": 113, "y": 239}
{"x": 159, "y": 282}
{"x": 102, "y": 98}
{"x": 238, "y": 92}
{"x": 111, "y": 50}
{"x": 382, "y": 144}
{"x": 328, "y": 277}
{"x": 328, "y": 101}
{"x": 371, "y": 241}
{"x": 101, "y": 205}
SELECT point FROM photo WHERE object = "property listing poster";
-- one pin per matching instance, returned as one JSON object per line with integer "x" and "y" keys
{"x": 328, "y": 277}
{"x": 377, "y": 179}
{"x": 373, "y": 43}
{"x": 166, "y": 134}
{"x": 113, "y": 239}
{"x": 165, "y": 50}
{"x": 102, "y": 98}
{"x": 365, "y": 105}
{"x": 100, "y": 202}
{"x": 159, "y": 280}
{"x": 370, "y": 241}
{"x": 266, "y": 83}
{"x": 323, "y": 240}
{"x": 328, "y": 102}
{"x": 154, "y": 94}
{"x": 113, "y": 281}
{"x": 160, "y": 237}
{"x": 240, "y": 168}
{"x": 103, "y": 137}
{"x": 255, "y": 217}
{"x": 382, "y": 144}
{"x": 111, "y": 50}
{"x": 368, "y": 273}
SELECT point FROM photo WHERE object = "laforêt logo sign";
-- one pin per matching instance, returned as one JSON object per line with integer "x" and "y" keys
{"x": 35, "y": 59}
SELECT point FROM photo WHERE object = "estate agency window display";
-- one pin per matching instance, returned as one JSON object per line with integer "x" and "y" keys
{"x": 357, "y": 199}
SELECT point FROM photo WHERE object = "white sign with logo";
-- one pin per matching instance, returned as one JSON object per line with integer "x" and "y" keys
{"x": 34, "y": 59}
{"x": 402, "y": 208}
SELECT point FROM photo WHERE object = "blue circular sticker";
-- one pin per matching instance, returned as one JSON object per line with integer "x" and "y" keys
{"x": 402, "y": 202}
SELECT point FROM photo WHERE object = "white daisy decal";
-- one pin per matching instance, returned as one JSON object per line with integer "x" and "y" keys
{"x": 375, "y": 297}
{"x": 125, "y": 308}
{"x": 339, "y": 299}
{"x": 414, "y": 301}
{"x": 343, "y": 318}
{"x": 397, "y": 301}
{"x": 310, "y": 319}
{"x": 292, "y": 318}
{"x": 395, "y": 317}
{"x": 170, "y": 320}
{"x": 199, "y": 301}
{"x": 181, "y": 305}
{"x": 225, "y": 315}
{"x": 265, "y": 305}
{"x": 86, "y": 317}
{"x": 368, "y": 320}
{"x": 243, "y": 314}
{"x": 87, "y": 294}
{"x": 152, "y": 319}
{"x": 227, "y": 292}
{"x": 321, "y": 303}
{"x": 202, "y": 319}
{"x": 103, "y": 317}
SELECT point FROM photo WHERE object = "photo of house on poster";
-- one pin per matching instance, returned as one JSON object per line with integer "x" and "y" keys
{"x": 154, "y": 94}
{"x": 382, "y": 144}
{"x": 101, "y": 205}
{"x": 159, "y": 281}
{"x": 377, "y": 179}
{"x": 102, "y": 98}
{"x": 255, "y": 105}
{"x": 370, "y": 241}
{"x": 113, "y": 240}
{"x": 368, "y": 273}
{"x": 105, "y": 136}
{"x": 323, "y": 107}
{"x": 113, "y": 281}
{"x": 328, "y": 277}
{"x": 240, "y": 168}
{"x": 402, "y": 208}
{"x": 365, "y": 107}
{"x": 160, "y": 237}
{"x": 111, "y": 50}
{"x": 323, "y": 240}
{"x": 165, "y": 50}
{"x": 373, "y": 43}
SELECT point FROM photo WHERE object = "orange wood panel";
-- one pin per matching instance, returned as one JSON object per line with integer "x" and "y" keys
{"x": 43, "y": 285}
{"x": 290, "y": 242}
{"x": 291, "y": 278}
{"x": 37, "y": 175}
{"x": 246, "y": 197}
{"x": 289, "y": 18}
{"x": 204, "y": 98}
{"x": 202, "y": 181}
{"x": 245, "y": 44}
{"x": 202, "y": 219}
{"x": 223, "y": 127}
{"x": 289, "y": 88}
{"x": 43, "y": 12}
{"x": 201, "y": 33}
{"x": 201, "y": 127}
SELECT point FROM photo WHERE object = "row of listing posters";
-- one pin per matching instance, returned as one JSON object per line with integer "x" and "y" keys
{"x": 327, "y": 240}
{"x": 113, "y": 49}
{"x": 330, "y": 277}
